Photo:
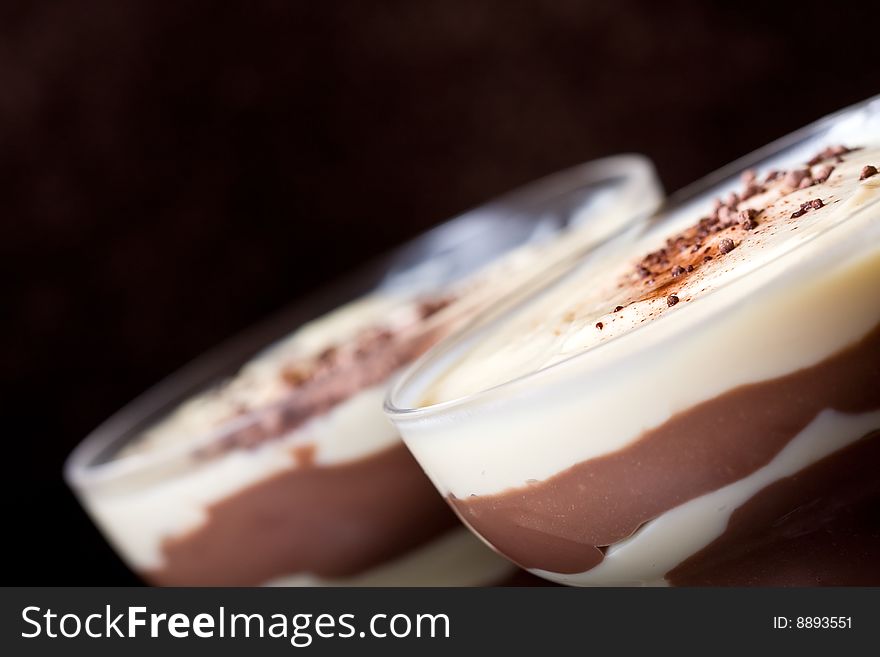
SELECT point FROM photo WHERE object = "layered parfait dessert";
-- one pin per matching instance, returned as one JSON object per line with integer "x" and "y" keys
{"x": 287, "y": 472}
{"x": 696, "y": 402}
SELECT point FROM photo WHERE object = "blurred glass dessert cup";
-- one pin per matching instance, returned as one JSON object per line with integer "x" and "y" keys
{"x": 275, "y": 465}
{"x": 695, "y": 402}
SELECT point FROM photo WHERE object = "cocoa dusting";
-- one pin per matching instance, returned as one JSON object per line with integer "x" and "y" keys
{"x": 338, "y": 372}
{"x": 678, "y": 255}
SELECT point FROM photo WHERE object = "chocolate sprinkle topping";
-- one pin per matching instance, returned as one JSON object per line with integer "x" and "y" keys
{"x": 689, "y": 249}
{"x": 813, "y": 204}
{"x": 867, "y": 172}
{"x": 433, "y": 305}
{"x": 822, "y": 173}
{"x": 830, "y": 152}
{"x": 748, "y": 218}
{"x": 795, "y": 178}
{"x": 600, "y": 325}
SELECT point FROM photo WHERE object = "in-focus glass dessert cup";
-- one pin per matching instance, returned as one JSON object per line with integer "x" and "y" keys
{"x": 695, "y": 402}
{"x": 275, "y": 465}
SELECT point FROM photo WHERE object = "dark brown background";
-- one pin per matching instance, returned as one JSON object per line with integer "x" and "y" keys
{"x": 172, "y": 172}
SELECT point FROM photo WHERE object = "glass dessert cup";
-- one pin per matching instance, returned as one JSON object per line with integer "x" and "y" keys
{"x": 695, "y": 402}
{"x": 274, "y": 464}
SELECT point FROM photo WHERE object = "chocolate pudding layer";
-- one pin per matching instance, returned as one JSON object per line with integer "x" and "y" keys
{"x": 565, "y": 523}
{"x": 681, "y": 406}
{"x": 359, "y": 514}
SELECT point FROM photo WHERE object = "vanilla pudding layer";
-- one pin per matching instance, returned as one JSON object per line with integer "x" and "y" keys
{"x": 599, "y": 469}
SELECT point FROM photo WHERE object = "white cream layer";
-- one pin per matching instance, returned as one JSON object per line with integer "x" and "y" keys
{"x": 793, "y": 312}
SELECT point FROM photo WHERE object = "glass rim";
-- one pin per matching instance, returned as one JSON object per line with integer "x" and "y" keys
{"x": 87, "y": 466}
{"x": 693, "y": 194}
